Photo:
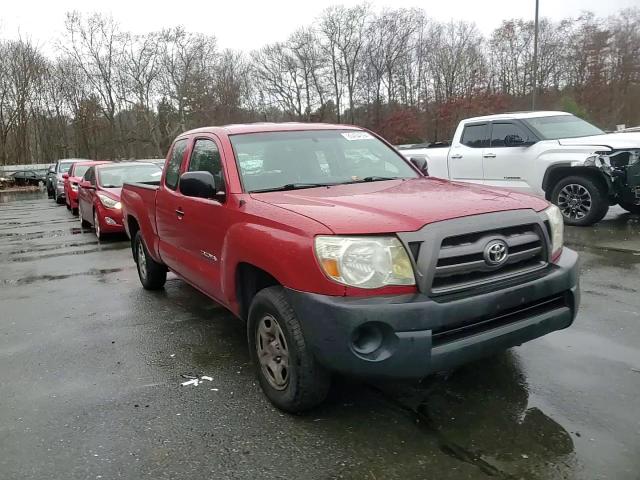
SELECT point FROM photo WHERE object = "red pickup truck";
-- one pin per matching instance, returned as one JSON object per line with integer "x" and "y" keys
{"x": 341, "y": 255}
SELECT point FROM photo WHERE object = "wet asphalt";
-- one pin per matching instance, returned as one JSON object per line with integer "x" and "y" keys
{"x": 91, "y": 365}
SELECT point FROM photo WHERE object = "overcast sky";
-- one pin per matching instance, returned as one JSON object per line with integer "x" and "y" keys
{"x": 245, "y": 25}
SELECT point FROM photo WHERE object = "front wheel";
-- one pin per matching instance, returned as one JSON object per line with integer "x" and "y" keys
{"x": 630, "y": 207}
{"x": 288, "y": 372}
{"x": 153, "y": 275}
{"x": 581, "y": 200}
{"x": 96, "y": 225}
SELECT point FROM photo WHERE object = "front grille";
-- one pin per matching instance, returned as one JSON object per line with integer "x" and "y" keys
{"x": 450, "y": 333}
{"x": 461, "y": 264}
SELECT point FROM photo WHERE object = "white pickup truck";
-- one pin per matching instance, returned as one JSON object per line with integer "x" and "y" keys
{"x": 570, "y": 162}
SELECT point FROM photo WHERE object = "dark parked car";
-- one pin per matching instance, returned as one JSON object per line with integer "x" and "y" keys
{"x": 27, "y": 177}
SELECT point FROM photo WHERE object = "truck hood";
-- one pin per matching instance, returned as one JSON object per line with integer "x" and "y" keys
{"x": 396, "y": 206}
{"x": 613, "y": 140}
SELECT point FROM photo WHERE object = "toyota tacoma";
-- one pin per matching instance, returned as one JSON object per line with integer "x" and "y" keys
{"x": 342, "y": 256}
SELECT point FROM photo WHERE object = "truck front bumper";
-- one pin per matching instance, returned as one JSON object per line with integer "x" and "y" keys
{"x": 411, "y": 336}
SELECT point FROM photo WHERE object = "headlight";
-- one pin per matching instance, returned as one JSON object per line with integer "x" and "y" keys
{"x": 60, "y": 182}
{"x": 365, "y": 262}
{"x": 74, "y": 187}
{"x": 109, "y": 202}
{"x": 557, "y": 228}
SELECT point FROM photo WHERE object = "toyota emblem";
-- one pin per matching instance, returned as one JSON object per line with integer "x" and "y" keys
{"x": 496, "y": 253}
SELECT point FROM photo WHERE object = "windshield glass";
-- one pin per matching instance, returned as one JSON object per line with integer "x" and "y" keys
{"x": 561, "y": 126}
{"x": 115, "y": 176}
{"x": 80, "y": 170}
{"x": 64, "y": 167}
{"x": 275, "y": 160}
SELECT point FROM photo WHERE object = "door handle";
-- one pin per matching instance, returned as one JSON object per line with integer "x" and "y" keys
{"x": 179, "y": 213}
{"x": 455, "y": 156}
{"x": 489, "y": 155}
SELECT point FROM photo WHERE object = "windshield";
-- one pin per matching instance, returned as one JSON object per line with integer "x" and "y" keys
{"x": 561, "y": 126}
{"x": 115, "y": 176}
{"x": 304, "y": 159}
{"x": 80, "y": 170}
{"x": 64, "y": 167}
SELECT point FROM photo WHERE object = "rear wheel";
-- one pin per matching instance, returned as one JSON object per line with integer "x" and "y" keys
{"x": 153, "y": 275}
{"x": 288, "y": 372}
{"x": 631, "y": 207}
{"x": 581, "y": 200}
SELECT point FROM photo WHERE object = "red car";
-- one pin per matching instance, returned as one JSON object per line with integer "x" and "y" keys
{"x": 71, "y": 180}
{"x": 99, "y": 193}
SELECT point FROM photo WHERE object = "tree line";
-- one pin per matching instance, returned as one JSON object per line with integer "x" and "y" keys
{"x": 111, "y": 94}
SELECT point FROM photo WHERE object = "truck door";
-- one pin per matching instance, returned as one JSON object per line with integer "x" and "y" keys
{"x": 168, "y": 209}
{"x": 205, "y": 221}
{"x": 465, "y": 155}
{"x": 505, "y": 163}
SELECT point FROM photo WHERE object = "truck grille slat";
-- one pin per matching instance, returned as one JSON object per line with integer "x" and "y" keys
{"x": 461, "y": 262}
{"x": 479, "y": 253}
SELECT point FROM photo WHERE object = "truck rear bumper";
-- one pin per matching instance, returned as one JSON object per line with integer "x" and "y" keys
{"x": 411, "y": 336}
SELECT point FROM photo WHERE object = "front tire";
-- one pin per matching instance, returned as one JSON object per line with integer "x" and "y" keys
{"x": 581, "y": 200}
{"x": 152, "y": 274}
{"x": 289, "y": 374}
{"x": 96, "y": 225}
{"x": 630, "y": 207}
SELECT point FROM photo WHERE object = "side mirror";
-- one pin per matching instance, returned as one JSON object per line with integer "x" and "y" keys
{"x": 198, "y": 184}
{"x": 421, "y": 164}
{"x": 86, "y": 184}
{"x": 65, "y": 175}
{"x": 514, "y": 141}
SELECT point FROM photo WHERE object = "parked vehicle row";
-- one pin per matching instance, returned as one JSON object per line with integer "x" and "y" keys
{"x": 91, "y": 189}
{"x": 342, "y": 256}
{"x": 558, "y": 156}
{"x": 99, "y": 193}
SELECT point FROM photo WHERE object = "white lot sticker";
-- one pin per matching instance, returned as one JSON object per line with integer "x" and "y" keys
{"x": 356, "y": 136}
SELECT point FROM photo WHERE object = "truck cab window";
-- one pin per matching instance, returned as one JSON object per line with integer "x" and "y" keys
{"x": 173, "y": 167}
{"x": 205, "y": 157}
{"x": 500, "y": 131}
{"x": 475, "y": 136}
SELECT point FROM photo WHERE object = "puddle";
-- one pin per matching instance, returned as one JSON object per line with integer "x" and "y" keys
{"x": 47, "y": 278}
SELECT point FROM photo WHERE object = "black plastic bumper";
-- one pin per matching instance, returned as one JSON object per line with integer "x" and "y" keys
{"x": 416, "y": 335}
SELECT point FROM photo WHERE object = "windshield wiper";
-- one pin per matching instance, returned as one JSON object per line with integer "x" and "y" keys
{"x": 373, "y": 178}
{"x": 292, "y": 186}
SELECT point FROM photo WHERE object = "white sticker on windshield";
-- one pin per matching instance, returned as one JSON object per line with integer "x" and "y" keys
{"x": 357, "y": 136}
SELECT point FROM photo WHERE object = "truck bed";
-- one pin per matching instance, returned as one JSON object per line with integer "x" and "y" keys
{"x": 139, "y": 201}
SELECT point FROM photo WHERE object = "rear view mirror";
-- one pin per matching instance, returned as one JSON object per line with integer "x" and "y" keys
{"x": 198, "y": 184}
{"x": 421, "y": 164}
{"x": 65, "y": 175}
{"x": 86, "y": 184}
